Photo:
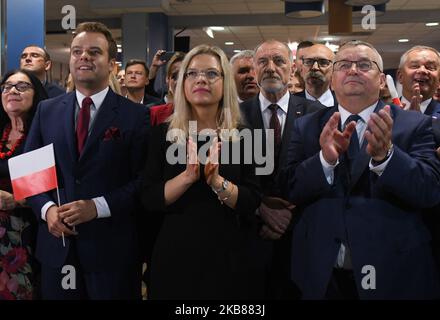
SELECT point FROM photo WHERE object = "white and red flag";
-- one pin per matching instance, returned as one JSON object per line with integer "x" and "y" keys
{"x": 33, "y": 172}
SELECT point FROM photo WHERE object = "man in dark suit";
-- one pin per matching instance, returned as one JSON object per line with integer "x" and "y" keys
{"x": 419, "y": 72}
{"x": 37, "y": 60}
{"x": 353, "y": 170}
{"x": 275, "y": 108}
{"x": 99, "y": 142}
{"x": 316, "y": 71}
{"x": 136, "y": 81}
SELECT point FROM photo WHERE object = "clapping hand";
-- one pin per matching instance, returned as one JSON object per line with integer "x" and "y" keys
{"x": 192, "y": 171}
{"x": 334, "y": 142}
{"x": 416, "y": 99}
{"x": 212, "y": 164}
{"x": 378, "y": 135}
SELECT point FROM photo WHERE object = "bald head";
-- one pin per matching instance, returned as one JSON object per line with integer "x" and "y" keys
{"x": 317, "y": 69}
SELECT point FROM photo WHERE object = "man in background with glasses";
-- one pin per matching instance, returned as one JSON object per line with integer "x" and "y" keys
{"x": 317, "y": 63}
{"x": 362, "y": 172}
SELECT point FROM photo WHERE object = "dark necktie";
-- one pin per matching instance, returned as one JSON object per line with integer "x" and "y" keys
{"x": 276, "y": 126}
{"x": 353, "y": 148}
{"x": 82, "y": 125}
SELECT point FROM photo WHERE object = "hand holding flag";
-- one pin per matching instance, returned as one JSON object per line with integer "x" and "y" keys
{"x": 33, "y": 173}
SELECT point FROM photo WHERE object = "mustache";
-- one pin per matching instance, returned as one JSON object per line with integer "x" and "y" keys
{"x": 269, "y": 76}
{"x": 315, "y": 75}
{"x": 348, "y": 79}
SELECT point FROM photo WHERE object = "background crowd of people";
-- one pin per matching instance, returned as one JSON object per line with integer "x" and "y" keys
{"x": 356, "y": 179}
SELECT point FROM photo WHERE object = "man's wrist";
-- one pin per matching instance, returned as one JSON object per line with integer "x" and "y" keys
{"x": 377, "y": 162}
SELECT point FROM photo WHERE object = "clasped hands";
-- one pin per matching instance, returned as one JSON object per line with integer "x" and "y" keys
{"x": 333, "y": 142}
{"x": 61, "y": 219}
{"x": 7, "y": 201}
{"x": 276, "y": 214}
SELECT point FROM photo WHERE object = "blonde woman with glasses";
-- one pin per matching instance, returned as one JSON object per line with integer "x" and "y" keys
{"x": 207, "y": 245}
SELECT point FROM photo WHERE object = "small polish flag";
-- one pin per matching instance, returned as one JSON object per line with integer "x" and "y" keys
{"x": 33, "y": 172}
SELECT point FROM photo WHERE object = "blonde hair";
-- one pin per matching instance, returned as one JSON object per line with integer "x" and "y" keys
{"x": 114, "y": 83}
{"x": 228, "y": 115}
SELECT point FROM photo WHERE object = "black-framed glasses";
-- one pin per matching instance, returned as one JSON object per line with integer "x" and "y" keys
{"x": 20, "y": 86}
{"x": 210, "y": 75}
{"x": 361, "y": 65}
{"x": 322, "y": 63}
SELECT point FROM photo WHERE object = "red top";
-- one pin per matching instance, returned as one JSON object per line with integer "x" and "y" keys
{"x": 159, "y": 114}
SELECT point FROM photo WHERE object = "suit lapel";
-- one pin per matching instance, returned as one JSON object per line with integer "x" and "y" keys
{"x": 363, "y": 158}
{"x": 255, "y": 113}
{"x": 294, "y": 111}
{"x": 103, "y": 120}
{"x": 433, "y": 108}
{"x": 70, "y": 106}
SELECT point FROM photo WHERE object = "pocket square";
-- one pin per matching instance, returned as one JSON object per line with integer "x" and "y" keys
{"x": 112, "y": 133}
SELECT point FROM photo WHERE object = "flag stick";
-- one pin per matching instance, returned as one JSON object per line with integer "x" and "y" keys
{"x": 59, "y": 205}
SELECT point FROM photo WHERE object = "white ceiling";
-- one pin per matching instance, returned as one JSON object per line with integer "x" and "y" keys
{"x": 247, "y": 37}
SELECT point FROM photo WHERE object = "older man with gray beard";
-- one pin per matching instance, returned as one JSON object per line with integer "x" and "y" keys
{"x": 316, "y": 71}
{"x": 275, "y": 108}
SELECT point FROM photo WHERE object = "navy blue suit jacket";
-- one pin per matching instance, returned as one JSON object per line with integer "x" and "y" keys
{"x": 378, "y": 217}
{"x": 109, "y": 166}
{"x": 433, "y": 109}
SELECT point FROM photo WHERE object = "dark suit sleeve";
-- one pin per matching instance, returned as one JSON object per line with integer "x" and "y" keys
{"x": 414, "y": 176}
{"x": 126, "y": 198}
{"x": 34, "y": 141}
{"x": 249, "y": 190}
{"x": 153, "y": 185}
{"x": 302, "y": 179}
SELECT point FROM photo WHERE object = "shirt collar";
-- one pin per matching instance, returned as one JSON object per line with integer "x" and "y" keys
{"x": 326, "y": 98}
{"x": 97, "y": 98}
{"x": 283, "y": 103}
{"x": 364, "y": 114}
{"x": 423, "y": 105}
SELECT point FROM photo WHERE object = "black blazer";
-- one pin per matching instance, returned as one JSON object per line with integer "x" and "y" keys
{"x": 252, "y": 118}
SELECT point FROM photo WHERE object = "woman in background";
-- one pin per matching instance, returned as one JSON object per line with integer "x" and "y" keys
{"x": 20, "y": 94}
{"x": 159, "y": 113}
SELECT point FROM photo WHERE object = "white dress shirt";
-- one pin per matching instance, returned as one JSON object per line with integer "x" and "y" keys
{"x": 326, "y": 98}
{"x": 102, "y": 208}
{"x": 266, "y": 113}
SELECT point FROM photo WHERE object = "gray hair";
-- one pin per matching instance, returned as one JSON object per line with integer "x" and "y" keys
{"x": 404, "y": 56}
{"x": 283, "y": 43}
{"x": 241, "y": 55}
{"x": 356, "y": 43}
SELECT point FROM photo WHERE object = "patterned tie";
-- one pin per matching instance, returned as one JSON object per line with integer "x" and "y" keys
{"x": 82, "y": 126}
{"x": 276, "y": 126}
{"x": 353, "y": 148}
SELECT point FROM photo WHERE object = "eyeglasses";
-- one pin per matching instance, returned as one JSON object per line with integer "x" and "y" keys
{"x": 322, "y": 63}
{"x": 20, "y": 86}
{"x": 362, "y": 65}
{"x": 210, "y": 75}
